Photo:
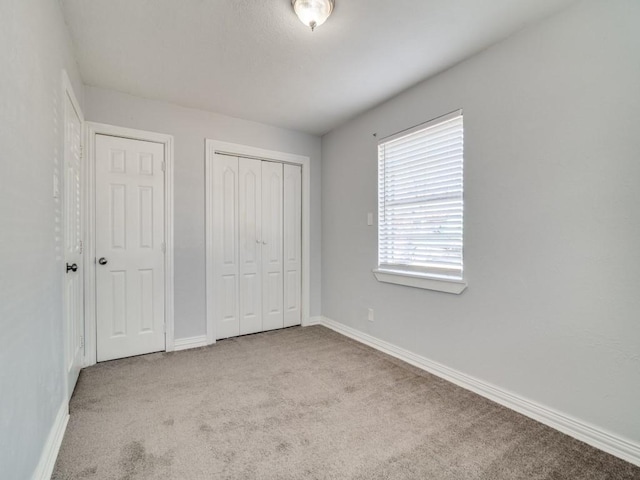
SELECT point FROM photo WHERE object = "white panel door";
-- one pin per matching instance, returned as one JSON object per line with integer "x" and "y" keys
{"x": 129, "y": 247}
{"x": 73, "y": 234}
{"x": 272, "y": 245}
{"x": 250, "y": 245}
{"x": 292, "y": 245}
{"x": 225, "y": 246}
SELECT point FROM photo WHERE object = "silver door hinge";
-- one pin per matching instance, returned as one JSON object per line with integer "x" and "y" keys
{"x": 81, "y": 151}
{"x": 81, "y": 246}
{"x": 163, "y": 247}
{"x": 164, "y": 166}
{"x": 81, "y": 341}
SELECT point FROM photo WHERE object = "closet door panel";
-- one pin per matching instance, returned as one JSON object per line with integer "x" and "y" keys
{"x": 272, "y": 246}
{"x": 250, "y": 246}
{"x": 225, "y": 240}
{"x": 292, "y": 245}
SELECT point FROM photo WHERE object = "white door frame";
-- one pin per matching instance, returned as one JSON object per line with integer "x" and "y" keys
{"x": 211, "y": 148}
{"x": 94, "y": 129}
{"x": 67, "y": 91}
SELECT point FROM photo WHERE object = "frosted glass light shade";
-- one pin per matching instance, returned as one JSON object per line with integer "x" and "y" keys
{"x": 313, "y": 12}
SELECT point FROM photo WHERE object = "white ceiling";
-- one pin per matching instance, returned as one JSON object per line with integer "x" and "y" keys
{"x": 253, "y": 59}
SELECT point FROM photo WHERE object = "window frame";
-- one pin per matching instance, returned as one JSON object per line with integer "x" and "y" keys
{"x": 410, "y": 275}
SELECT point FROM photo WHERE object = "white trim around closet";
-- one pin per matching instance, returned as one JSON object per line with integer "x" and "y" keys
{"x": 215, "y": 146}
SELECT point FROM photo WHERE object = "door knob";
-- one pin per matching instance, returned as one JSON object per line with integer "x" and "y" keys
{"x": 102, "y": 261}
{"x": 73, "y": 268}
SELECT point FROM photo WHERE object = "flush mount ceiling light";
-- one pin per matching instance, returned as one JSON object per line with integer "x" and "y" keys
{"x": 313, "y": 12}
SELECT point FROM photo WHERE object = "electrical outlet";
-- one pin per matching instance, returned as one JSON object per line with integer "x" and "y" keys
{"x": 370, "y": 317}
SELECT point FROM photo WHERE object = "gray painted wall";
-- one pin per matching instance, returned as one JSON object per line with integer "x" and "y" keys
{"x": 552, "y": 218}
{"x": 34, "y": 47}
{"x": 190, "y": 128}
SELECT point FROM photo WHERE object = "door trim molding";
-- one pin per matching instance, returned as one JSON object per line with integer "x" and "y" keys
{"x": 211, "y": 148}
{"x": 93, "y": 129}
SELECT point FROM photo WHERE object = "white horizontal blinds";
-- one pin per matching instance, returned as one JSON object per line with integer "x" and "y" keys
{"x": 420, "y": 203}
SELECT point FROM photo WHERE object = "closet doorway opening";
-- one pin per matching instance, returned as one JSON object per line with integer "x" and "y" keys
{"x": 257, "y": 237}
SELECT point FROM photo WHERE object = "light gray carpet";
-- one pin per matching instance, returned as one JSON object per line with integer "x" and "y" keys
{"x": 303, "y": 403}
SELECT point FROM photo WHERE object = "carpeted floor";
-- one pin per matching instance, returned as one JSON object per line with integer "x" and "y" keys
{"x": 303, "y": 403}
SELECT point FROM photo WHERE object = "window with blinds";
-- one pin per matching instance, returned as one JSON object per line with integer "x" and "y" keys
{"x": 420, "y": 202}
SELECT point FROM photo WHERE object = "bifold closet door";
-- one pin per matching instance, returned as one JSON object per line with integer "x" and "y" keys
{"x": 257, "y": 215}
{"x": 250, "y": 227}
{"x": 225, "y": 245}
{"x": 272, "y": 246}
{"x": 292, "y": 245}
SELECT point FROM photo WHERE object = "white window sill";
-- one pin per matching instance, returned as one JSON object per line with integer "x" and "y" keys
{"x": 417, "y": 280}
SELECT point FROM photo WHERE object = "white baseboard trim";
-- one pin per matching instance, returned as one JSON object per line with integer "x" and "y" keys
{"x": 49, "y": 455}
{"x": 573, "y": 427}
{"x": 190, "y": 342}
{"x": 313, "y": 321}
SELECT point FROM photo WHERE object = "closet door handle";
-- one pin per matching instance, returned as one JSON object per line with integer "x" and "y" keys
{"x": 264, "y": 243}
{"x": 258, "y": 241}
